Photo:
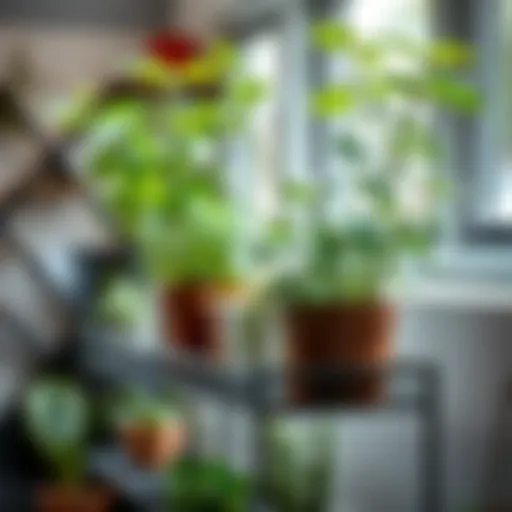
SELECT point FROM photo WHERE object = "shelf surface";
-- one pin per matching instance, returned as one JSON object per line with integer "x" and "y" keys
{"x": 406, "y": 384}
{"x": 140, "y": 487}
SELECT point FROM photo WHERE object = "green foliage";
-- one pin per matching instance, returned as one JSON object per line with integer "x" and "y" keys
{"x": 120, "y": 302}
{"x": 335, "y": 100}
{"x": 390, "y": 155}
{"x": 196, "y": 485}
{"x": 458, "y": 95}
{"x": 157, "y": 165}
{"x": 333, "y": 37}
{"x": 299, "y": 481}
{"x": 136, "y": 407}
{"x": 346, "y": 41}
{"x": 57, "y": 419}
{"x": 450, "y": 54}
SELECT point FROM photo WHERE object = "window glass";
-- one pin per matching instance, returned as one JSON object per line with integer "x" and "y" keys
{"x": 501, "y": 209}
{"x": 410, "y": 17}
{"x": 376, "y": 19}
{"x": 254, "y": 157}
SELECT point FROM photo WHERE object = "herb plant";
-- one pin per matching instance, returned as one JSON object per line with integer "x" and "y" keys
{"x": 380, "y": 207}
{"x": 137, "y": 408}
{"x": 157, "y": 162}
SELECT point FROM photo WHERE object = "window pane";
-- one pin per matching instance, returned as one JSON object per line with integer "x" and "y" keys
{"x": 262, "y": 59}
{"x": 383, "y": 16}
{"x": 254, "y": 154}
{"x": 374, "y": 128}
{"x": 501, "y": 209}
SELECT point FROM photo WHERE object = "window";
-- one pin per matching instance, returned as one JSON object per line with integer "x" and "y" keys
{"x": 371, "y": 130}
{"x": 377, "y": 16}
{"x": 504, "y": 203}
{"x": 482, "y": 144}
{"x": 261, "y": 56}
{"x": 495, "y": 131}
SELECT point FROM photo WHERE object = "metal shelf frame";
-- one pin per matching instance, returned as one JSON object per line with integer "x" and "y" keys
{"x": 259, "y": 391}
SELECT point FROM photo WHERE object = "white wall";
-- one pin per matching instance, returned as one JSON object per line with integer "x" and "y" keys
{"x": 474, "y": 351}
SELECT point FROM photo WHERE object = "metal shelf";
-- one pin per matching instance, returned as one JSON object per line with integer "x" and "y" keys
{"x": 140, "y": 488}
{"x": 257, "y": 387}
{"x": 413, "y": 386}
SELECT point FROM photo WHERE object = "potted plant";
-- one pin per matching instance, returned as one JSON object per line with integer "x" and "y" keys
{"x": 376, "y": 215}
{"x": 57, "y": 418}
{"x": 156, "y": 162}
{"x": 120, "y": 301}
{"x": 152, "y": 432}
{"x": 197, "y": 484}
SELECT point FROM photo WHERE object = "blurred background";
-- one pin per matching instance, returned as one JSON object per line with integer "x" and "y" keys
{"x": 193, "y": 191}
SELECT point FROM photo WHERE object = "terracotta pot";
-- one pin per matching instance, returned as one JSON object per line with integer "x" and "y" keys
{"x": 191, "y": 319}
{"x": 154, "y": 446}
{"x": 68, "y": 499}
{"x": 355, "y": 338}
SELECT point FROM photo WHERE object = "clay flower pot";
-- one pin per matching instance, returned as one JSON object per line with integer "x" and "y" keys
{"x": 191, "y": 319}
{"x": 353, "y": 337}
{"x": 153, "y": 446}
{"x": 54, "y": 498}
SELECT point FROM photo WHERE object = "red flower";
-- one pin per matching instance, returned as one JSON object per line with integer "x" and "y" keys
{"x": 175, "y": 50}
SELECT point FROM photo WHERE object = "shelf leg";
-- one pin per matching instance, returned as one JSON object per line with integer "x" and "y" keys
{"x": 432, "y": 467}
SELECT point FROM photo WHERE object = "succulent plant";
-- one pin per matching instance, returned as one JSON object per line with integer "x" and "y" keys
{"x": 57, "y": 418}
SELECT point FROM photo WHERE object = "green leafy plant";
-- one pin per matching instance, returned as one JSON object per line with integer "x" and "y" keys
{"x": 120, "y": 302}
{"x": 57, "y": 419}
{"x": 157, "y": 164}
{"x": 197, "y": 484}
{"x": 299, "y": 481}
{"x": 136, "y": 407}
{"x": 381, "y": 207}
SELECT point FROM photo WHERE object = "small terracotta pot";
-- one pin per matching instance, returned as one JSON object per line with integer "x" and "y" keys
{"x": 191, "y": 319}
{"x": 69, "y": 499}
{"x": 355, "y": 338}
{"x": 154, "y": 446}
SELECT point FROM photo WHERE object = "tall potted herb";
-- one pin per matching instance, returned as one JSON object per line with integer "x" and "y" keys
{"x": 57, "y": 419}
{"x": 157, "y": 162}
{"x": 377, "y": 212}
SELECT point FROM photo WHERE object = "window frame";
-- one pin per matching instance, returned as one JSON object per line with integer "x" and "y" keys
{"x": 476, "y": 23}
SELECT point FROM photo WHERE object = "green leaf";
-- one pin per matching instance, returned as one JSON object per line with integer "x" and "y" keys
{"x": 369, "y": 54}
{"x": 207, "y": 484}
{"x": 351, "y": 148}
{"x": 135, "y": 407}
{"x": 450, "y": 54}
{"x": 249, "y": 92}
{"x": 417, "y": 239}
{"x": 120, "y": 302}
{"x": 455, "y": 94}
{"x": 279, "y": 232}
{"x": 333, "y": 37}
{"x": 197, "y": 119}
{"x": 412, "y": 137}
{"x": 299, "y": 192}
{"x": 412, "y": 86}
{"x": 57, "y": 418}
{"x": 334, "y": 100}
{"x": 224, "y": 55}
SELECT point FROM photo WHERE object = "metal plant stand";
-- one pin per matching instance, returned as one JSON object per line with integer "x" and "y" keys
{"x": 424, "y": 402}
{"x": 414, "y": 387}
